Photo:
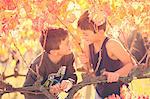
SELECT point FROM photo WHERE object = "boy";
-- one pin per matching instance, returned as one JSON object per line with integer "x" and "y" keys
{"x": 57, "y": 54}
{"x": 114, "y": 57}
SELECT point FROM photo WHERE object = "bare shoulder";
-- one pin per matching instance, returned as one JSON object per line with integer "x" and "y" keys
{"x": 113, "y": 44}
{"x": 116, "y": 49}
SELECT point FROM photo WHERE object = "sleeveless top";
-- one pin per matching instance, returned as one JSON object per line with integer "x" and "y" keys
{"x": 105, "y": 89}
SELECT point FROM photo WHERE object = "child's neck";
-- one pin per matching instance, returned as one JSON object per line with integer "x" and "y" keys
{"x": 98, "y": 44}
{"x": 55, "y": 58}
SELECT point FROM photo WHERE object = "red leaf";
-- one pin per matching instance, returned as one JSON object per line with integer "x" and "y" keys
{"x": 107, "y": 10}
{"x": 53, "y": 7}
{"x": 5, "y": 29}
{"x": 38, "y": 24}
{"x": 9, "y": 5}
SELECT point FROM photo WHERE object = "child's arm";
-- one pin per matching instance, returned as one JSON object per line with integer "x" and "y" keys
{"x": 30, "y": 80}
{"x": 30, "y": 77}
{"x": 70, "y": 71}
{"x": 115, "y": 49}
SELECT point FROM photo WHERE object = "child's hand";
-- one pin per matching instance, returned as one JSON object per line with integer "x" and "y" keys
{"x": 55, "y": 89}
{"x": 87, "y": 40}
{"x": 66, "y": 85}
{"x": 83, "y": 58}
{"x": 113, "y": 96}
{"x": 111, "y": 76}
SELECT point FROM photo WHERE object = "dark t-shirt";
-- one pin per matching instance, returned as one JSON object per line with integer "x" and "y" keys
{"x": 47, "y": 67}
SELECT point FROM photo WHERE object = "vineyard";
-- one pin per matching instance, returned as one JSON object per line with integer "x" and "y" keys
{"x": 22, "y": 20}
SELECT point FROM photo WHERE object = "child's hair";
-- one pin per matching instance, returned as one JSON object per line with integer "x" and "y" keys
{"x": 53, "y": 38}
{"x": 85, "y": 23}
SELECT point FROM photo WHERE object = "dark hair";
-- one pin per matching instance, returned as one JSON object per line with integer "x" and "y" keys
{"x": 53, "y": 39}
{"x": 85, "y": 23}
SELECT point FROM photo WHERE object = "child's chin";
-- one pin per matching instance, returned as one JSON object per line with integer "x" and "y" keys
{"x": 68, "y": 52}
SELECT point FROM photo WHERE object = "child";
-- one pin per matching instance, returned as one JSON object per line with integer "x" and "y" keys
{"x": 114, "y": 57}
{"x": 57, "y": 55}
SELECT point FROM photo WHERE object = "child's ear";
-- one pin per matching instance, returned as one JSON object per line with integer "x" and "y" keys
{"x": 50, "y": 51}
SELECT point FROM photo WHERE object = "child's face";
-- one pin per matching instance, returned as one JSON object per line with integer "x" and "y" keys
{"x": 64, "y": 47}
{"x": 90, "y": 36}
